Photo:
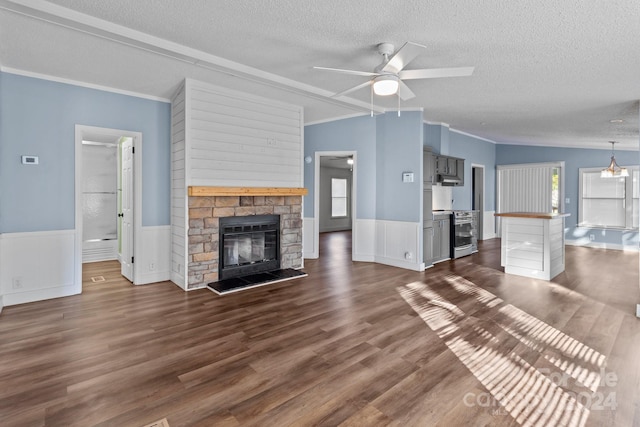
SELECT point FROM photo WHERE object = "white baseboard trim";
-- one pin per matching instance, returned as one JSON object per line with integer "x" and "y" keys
{"x": 40, "y": 295}
{"x": 599, "y": 245}
{"x": 399, "y": 263}
{"x": 364, "y": 258}
{"x": 178, "y": 280}
{"x": 154, "y": 277}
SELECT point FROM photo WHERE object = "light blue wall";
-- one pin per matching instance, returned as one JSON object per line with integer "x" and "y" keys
{"x": 386, "y": 145}
{"x": 474, "y": 151}
{"x": 479, "y": 152}
{"x": 355, "y": 134}
{"x": 38, "y": 117}
{"x": 399, "y": 146}
{"x": 574, "y": 159}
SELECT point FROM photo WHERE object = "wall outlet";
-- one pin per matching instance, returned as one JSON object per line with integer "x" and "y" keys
{"x": 152, "y": 266}
{"x": 17, "y": 283}
{"x": 592, "y": 237}
{"x": 567, "y": 200}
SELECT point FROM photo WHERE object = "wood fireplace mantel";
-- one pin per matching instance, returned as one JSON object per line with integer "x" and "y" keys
{"x": 201, "y": 191}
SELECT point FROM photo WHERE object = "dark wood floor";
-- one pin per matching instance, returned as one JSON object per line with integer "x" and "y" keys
{"x": 352, "y": 344}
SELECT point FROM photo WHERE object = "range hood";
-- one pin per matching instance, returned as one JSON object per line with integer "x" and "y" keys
{"x": 450, "y": 180}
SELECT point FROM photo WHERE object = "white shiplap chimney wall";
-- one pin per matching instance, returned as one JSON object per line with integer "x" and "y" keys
{"x": 226, "y": 138}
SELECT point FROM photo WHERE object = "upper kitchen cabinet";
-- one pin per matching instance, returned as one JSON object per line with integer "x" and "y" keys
{"x": 428, "y": 169}
{"x": 449, "y": 170}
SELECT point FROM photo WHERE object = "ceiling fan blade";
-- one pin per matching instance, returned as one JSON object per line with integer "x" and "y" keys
{"x": 404, "y": 92}
{"x": 354, "y": 72}
{"x": 433, "y": 73}
{"x": 353, "y": 89}
{"x": 402, "y": 57}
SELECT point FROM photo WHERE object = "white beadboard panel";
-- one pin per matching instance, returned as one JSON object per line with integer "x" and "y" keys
{"x": 43, "y": 262}
{"x": 309, "y": 247}
{"x": 238, "y": 139}
{"x": 365, "y": 243}
{"x": 155, "y": 263}
{"x": 394, "y": 239}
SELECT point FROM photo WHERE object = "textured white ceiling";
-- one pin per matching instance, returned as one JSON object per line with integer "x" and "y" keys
{"x": 547, "y": 72}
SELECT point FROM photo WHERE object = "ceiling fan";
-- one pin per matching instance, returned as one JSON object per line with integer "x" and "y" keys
{"x": 388, "y": 77}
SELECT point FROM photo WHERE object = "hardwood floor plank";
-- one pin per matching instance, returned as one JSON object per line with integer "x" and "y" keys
{"x": 343, "y": 346}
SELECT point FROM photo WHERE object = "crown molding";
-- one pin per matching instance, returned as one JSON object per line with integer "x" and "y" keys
{"x": 77, "y": 21}
{"x": 81, "y": 84}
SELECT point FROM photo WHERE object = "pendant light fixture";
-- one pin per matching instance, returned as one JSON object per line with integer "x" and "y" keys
{"x": 613, "y": 170}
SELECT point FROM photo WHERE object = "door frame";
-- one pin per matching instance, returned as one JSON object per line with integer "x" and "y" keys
{"x": 80, "y": 132}
{"x": 316, "y": 198}
{"x": 482, "y": 201}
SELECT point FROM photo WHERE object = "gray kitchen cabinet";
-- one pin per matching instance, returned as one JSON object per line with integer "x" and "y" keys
{"x": 441, "y": 237}
{"x": 428, "y": 168}
{"x": 427, "y": 245}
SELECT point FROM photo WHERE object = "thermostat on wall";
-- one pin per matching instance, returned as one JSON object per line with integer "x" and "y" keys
{"x": 407, "y": 176}
{"x": 29, "y": 160}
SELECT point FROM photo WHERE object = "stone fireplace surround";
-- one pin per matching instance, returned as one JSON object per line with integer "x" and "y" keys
{"x": 208, "y": 204}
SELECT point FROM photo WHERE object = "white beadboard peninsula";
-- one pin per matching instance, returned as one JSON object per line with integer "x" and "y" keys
{"x": 533, "y": 244}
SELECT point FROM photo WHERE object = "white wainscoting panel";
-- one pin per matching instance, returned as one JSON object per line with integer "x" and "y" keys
{"x": 155, "y": 263}
{"x": 309, "y": 248}
{"x": 489, "y": 225}
{"x": 37, "y": 266}
{"x": 365, "y": 241}
{"x": 584, "y": 241}
{"x": 396, "y": 239}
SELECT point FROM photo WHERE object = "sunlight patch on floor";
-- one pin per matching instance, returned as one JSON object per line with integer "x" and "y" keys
{"x": 533, "y": 396}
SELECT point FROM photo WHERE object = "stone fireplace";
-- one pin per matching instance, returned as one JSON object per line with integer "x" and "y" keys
{"x": 208, "y": 204}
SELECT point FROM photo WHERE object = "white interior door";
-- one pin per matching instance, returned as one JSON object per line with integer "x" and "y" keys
{"x": 126, "y": 265}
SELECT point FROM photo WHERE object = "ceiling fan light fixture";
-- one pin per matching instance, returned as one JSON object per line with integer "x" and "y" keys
{"x": 385, "y": 85}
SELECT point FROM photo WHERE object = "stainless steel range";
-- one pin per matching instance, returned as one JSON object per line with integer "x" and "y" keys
{"x": 462, "y": 232}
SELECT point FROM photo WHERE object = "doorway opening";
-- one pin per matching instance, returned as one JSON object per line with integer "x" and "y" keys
{"x": 107, "y": 197}
{"x": 477, "y": 197}
{"x": 334, "y": 199}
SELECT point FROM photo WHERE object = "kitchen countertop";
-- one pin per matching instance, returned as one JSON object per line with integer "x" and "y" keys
{"x": 535, "y": 215}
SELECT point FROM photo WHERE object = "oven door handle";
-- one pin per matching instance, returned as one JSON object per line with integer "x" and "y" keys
{"x": 462, "y": 247}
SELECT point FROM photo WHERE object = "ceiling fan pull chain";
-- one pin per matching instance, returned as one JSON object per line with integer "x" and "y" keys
{"x": 398, "y": 103}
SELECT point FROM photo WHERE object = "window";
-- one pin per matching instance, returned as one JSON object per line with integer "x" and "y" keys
{"x": 338, "y": 197}
{"x": 609, "y": 202}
